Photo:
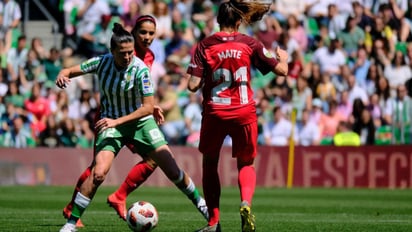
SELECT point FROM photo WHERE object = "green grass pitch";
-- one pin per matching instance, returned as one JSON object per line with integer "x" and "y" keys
{"x": 276, "y": 209}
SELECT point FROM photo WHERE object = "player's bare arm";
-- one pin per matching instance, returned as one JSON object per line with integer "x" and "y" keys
{"x": 282, "y": 67}
{"x": 63, "y": 78}
{"x": 194, "y": 83}
{"x": 145, "y": 110}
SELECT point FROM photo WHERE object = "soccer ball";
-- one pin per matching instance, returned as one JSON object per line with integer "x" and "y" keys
{"x": 142, "y": 216}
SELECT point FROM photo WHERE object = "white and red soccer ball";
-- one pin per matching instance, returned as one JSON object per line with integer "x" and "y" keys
{"x": 142, "y": 216}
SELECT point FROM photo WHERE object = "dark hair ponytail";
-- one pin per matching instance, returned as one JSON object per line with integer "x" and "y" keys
{"x": 120, "y": 35}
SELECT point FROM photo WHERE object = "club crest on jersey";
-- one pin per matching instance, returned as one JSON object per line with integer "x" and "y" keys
{"x": 267, "y": 53}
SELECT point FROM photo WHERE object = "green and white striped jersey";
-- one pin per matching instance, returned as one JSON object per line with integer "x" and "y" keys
{"x": 121, "y": 91}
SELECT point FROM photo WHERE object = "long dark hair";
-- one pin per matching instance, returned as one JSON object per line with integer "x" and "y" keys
{"x": 120, "y": 35}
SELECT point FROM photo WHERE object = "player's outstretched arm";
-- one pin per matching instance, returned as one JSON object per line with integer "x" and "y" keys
{"x": 63, "y": 78}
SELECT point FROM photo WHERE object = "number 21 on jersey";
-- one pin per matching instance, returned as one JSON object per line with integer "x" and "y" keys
{"x": 226, "y": 77}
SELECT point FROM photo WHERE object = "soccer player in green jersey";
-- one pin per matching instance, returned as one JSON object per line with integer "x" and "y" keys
{"x": 127, "y": 104}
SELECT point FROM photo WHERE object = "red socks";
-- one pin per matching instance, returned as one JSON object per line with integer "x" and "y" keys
{"x": 247, "y": 183}
{"x": 86, "y": 173}
{"x": 136, "y": 176}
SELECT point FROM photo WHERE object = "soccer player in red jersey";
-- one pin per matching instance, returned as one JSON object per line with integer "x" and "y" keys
{"x": 221, "y": 67}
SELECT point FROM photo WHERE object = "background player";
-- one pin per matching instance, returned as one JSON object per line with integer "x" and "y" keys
{"x": 221, "y": 67}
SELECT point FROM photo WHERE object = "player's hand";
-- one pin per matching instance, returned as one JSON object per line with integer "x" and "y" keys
{"x": 105, "y": 123}
{"x": 158, "y": 115}
{"x": 62, "y": 81}
{"x": 281, "y": 55}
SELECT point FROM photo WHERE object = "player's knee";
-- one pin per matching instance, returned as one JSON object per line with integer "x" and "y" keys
{"x": 99, "y": 176}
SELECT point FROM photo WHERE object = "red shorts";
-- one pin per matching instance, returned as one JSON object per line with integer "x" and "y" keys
{"x": 214, "y": 131}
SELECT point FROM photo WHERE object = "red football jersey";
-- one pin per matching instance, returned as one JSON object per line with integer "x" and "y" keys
{"x": 148, "y": 59}
{"x": 223, "y": 61}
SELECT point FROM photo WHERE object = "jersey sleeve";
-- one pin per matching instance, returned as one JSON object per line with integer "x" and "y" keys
{"x": 145, "y": 82}
{"x": 91, "y": 65}
{"x": 263, "y": 59}
{"x": 196, "y": 64}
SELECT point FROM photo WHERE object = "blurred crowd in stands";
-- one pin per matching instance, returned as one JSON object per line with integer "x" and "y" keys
{"x": 350, "y": 71}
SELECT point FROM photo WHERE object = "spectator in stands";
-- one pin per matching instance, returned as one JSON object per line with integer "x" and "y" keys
{"x": 10, "y": 19}
{"x": 393, "y": 16}
{"x": 289, "y": 44}
{"x": 357, "y": 107}
{"x": 193, "y": 119}
{"x": 396, "y": 71}
{"x": 297, "y": 32}
{"x": 50, "y": 136}
{"x": 33, "y": 70}
{"x": 284, "y": 8}
{"x": 384, "y": 98}
{"x": 163, "y": 20}
{"x": 329, "y": 121}
{"x": 174, "y": 125}
{"x": 344, "y": 106}
{"x": 316, "y": 112}
{"x": 375, "y": 109}
{"x": 302, "y": 97}
{"x": 96, "y": 42}
{"x": 128, "y": 17}
{"x": 17, "y": 58}
{"x": 330, "y": 58}
{"x": 81, "y": 106}
{"x": 19, "y": 134}
{"x": 85, "y": 135}
{"x": 363, "y": 20}
{"x": 360, "y": 66}
{"x": 68, "y": 136}
{"x": 314, "y": 77}
{"x": 52, "y": 65}
{"x": 371, "y": 78}
{"x": 39, "y": 50}
{"x": 336, "y": 21}
{"x": 380, "y": 32}
{"x": 295, "y": 67}
{"x": 355, "y": 91}
{"x": 325, "y": 90}
{"x": 365, "y": 128}
{"x": 278, "y": 131}
{"x": 308, "y": 132}
{"x": 402, "y": 116}
{"x": 39, "y": 107}
{"x": 352, "y": 37}
{"x": 14, "y": 96}
{"x": 57, "y": 107}
{"x": 90, "y": 16}
{"x": 4, "y": 88}
{"x": 318, "y": 9}
{"x": 345, "y": 136}
{"x": 268, "y": 31}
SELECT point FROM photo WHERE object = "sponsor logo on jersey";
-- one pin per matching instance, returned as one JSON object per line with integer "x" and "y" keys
{"x": 156, "y": 135}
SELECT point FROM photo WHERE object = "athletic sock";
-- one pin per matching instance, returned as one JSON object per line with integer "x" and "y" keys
{"x": 80, "y": 204}
{"x": 188, "y": 189}
{"x": 136, "y": 176}
{"x": 247, "y": 183}
{"x": 86, "y": 173}
{"x": 211, "y": 190}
